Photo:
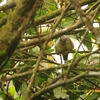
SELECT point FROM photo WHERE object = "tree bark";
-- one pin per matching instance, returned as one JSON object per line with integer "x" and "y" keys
{"x": 16, "y": 24}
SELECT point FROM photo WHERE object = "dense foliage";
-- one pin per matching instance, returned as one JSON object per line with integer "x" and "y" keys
{"x": 30, "y": 69}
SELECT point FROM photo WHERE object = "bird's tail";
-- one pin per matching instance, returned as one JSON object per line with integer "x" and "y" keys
{"x": 65, "y": 56}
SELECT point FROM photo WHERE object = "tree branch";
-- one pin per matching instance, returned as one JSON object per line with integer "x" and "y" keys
{"x": 50, "y": 87}
{"x": 14, "y": 27}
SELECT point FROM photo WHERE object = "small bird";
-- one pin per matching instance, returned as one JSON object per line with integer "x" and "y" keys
{"x": 64, "y": 43}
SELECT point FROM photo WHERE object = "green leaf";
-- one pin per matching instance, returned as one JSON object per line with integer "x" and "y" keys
{"x": 24, "y": 87}
{"x": 91, "y": 97}
{"x": 19, "y": 98}
{"x": 40, "y": 77}
{"x": 49, "y": 50}
{"x": 2, "y": 95}
{"x": 67, "y": 22}
{"x": 7, "y": 65}
{"x": 60, "y": 92}
{"x": 12, "y": 90}
{"x": 2, "y": 15}
{"x": 87, "y": 41}
{"x": 17, "y": 84}
{"x": 1, "y": 1}
{"x": 30, "y": 31}
{"x": 39, "y": 80}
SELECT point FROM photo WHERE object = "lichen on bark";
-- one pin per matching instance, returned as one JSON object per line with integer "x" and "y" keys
{"x": 11, "y": 32}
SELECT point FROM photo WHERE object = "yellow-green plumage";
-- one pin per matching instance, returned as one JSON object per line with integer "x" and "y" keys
{"x": 63, "y": 44}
